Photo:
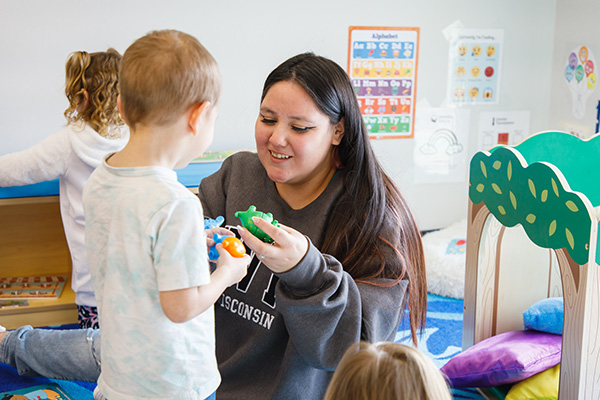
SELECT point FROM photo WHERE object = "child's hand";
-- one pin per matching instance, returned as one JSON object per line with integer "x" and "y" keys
{"x": 210, "y": 233}
{"x": 234, "y": 268}
{"x": 210, "y": 242}
{"x": 285, "y": 253}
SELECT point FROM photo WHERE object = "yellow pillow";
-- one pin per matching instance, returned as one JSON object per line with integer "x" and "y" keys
{"x": 542, "y": 386}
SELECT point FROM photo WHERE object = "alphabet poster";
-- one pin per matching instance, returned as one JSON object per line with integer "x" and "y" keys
{"x": 474, "y": 67}
{"x": 382, "y": 63}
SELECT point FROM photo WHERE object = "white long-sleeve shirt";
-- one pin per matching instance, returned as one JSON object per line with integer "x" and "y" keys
{"x": 70, "y": 155}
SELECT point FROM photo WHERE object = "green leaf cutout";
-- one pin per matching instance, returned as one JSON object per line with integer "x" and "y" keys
{"x": 571, "y": 206}
{"x": 531, "y": 187}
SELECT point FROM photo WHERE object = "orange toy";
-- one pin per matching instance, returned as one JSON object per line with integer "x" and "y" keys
{"x": 234, "y": 246}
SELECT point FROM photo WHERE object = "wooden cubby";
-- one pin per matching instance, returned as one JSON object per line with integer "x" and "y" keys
{"x": 32, "y": 242}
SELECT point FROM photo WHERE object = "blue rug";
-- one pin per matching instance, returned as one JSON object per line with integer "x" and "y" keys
{"x": 10, "y": 380}
{"x": 441, "y": 340}
{"x": 442, "y": 337}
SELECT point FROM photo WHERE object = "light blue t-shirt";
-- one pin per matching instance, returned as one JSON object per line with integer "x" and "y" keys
{"x": 144, "y": 234}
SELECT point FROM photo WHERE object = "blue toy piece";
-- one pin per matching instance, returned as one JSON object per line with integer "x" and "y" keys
{"x": 213, "y": 254}
{"x": 213, "y": 223}
{"x": 210, "y": 223}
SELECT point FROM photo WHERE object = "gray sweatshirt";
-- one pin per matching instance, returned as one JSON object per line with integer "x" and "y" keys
{"x": 280, "y": 336}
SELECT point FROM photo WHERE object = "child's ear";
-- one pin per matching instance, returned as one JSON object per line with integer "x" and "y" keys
{"x": 120, "y": 107}
{"x": 195, "y": 115}
{"x": 85, "y": 98}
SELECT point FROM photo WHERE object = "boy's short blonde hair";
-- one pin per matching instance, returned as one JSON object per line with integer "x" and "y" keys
{"x": 386, "y": 371}
{"x": 163, "y": 74}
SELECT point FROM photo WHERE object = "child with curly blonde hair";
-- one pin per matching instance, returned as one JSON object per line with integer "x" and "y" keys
{"x": 386, "y": 371}
{"x": 94, "y": 129}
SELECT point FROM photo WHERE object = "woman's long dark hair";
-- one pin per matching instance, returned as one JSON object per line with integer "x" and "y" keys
{"x": 371, "y": 230}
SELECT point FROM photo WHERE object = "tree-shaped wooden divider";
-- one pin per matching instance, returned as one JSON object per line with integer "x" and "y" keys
{"x": 549, "y": 185}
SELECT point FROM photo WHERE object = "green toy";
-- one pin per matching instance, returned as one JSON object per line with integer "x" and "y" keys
{"x": 246, "y": 218}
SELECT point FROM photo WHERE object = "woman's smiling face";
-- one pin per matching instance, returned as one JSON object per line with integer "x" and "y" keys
{"x": 294, "y": 139}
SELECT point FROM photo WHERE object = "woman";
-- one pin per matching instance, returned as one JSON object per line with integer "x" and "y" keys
{"x": 344, "y": 262}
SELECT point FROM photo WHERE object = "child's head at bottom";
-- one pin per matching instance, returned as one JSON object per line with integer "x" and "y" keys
{"x": 163, "y": 75}
{"x": 386, "y": 371}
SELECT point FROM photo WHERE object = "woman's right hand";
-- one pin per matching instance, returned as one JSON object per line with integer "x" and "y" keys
{"x": 288, "y": 248}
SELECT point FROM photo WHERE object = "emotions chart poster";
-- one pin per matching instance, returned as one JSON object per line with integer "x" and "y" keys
{"x": 474, "y": 67}
{"x": 382, "y": 64}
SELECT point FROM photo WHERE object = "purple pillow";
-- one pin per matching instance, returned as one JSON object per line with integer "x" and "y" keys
{"x": 505, "y": 358}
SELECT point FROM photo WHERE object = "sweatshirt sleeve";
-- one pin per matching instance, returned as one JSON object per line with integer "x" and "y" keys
{"x": 211, "y": 191}
{"x": 46, "y": 160}
{"x": 326, "y": 311}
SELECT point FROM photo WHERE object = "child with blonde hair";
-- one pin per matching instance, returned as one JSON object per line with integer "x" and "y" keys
{"x": 145, "y": 238}
{"x": 386, "y": 371}
{"x": 94, "y": 129}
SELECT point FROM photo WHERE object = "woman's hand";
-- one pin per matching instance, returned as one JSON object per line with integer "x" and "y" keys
{"x": 288, "y": 248}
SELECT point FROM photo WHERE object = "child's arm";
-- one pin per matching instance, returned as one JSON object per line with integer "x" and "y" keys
{"x": 184, "y": 304}
{"x": 44, "y": 161}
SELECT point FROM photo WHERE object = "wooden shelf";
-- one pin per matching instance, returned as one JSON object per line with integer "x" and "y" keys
{"x": 32, "y": 243}
{"x": 45, "y": 312}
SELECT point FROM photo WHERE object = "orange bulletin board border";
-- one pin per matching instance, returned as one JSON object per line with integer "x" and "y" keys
{"x": 383, "y": 65}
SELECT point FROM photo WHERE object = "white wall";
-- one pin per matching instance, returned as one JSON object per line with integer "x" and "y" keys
{"x": 576, "y": 25}
{"x": 249, "y": 39}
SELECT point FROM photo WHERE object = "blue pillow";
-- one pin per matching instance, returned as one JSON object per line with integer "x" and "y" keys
{"x": 546, "y": 316}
